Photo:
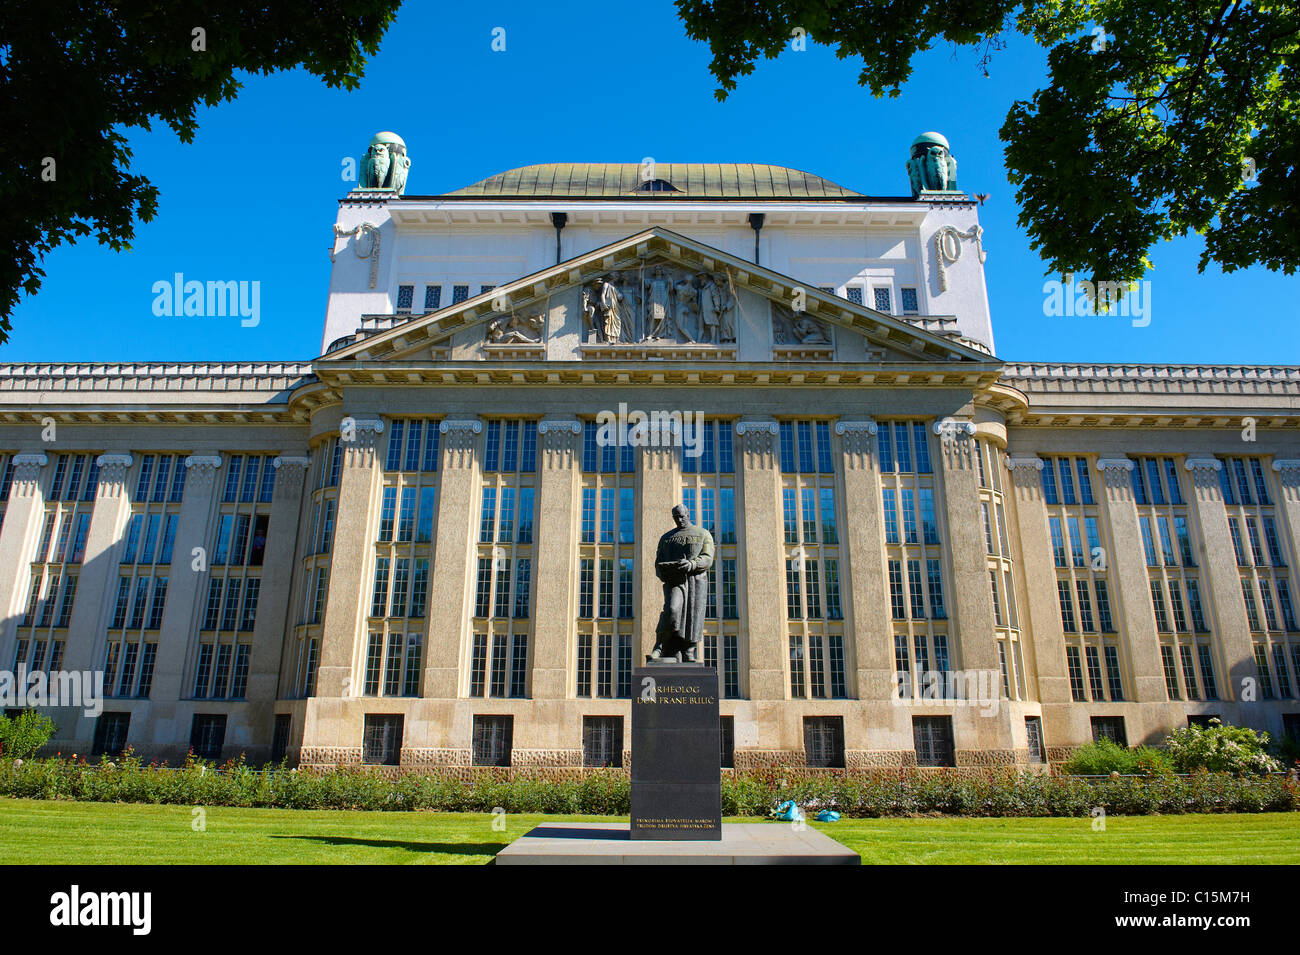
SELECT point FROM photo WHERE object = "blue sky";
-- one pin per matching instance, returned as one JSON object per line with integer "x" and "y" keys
{"x": 254, "y": 196}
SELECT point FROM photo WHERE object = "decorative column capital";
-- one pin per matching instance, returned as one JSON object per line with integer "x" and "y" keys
{"x": 112, "y": 471}
{"x": 857, "y": 441}
{"x": 1115, "y": 474}
{"x": 758, "y": 441}
{"x": 950, "y": 428}
{"x": 290, "y": 469}
{"x": 359, "y": 434}
{"x": 1023, "y": 462}
{"x": 27, "y": 471}
{"x": 201, "y": 472}
{"x": 1289, "y": 467}
{"x": 1114, "y": 464}
{"x": 558, "y": 425}
{"x": 460, "y": 439}
{"x": 866, "y": 426}
{"x": 1203, "y": 464}
{"x": 558, "y": 439}
{"x": 291, "y": 461}
{"x": 203, "y": 462}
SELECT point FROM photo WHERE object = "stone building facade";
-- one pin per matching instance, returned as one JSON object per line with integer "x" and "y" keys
{"x": 433, "y": 545}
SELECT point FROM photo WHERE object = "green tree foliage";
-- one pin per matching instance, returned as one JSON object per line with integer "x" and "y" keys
{"x": 22, "y": 735}
{"x": 1160, "y": 117}
{"x": 75, "y": 76}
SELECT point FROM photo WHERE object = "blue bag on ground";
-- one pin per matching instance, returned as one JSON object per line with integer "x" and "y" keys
{"x": 788, "y": 811}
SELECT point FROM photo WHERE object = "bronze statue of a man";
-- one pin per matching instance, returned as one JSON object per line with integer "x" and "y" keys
{"x": 682, "y": 562}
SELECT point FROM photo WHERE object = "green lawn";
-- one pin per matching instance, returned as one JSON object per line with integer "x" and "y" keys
{"x": 34, "y": 831}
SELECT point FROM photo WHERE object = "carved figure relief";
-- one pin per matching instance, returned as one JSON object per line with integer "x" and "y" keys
{"x": 516, "y": 329}
{"x": 659, "y": 303}
{"x": 797, "y": 328}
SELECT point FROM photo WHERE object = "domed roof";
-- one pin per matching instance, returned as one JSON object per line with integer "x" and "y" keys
{"x": 671, "y": 181}
{"x": 391, "y": 139}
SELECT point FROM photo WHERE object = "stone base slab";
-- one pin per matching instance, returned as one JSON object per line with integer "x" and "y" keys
{"x": 611, "y": 843}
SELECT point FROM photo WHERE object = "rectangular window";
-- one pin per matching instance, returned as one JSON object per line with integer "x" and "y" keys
{"x": 381, "y": 739}
{"x": 602, "y": 741}
{"x": 493, "y": 740}
{"x": 208, "y": 735}
{"x": 1206, "y": 661}
{"x": 1171, "y": 673}
{"x": 1076, "y": 674}
{"x": 1034, "y": 735}
{"x": 932, "y": 737}
{"x": 1113, "y": 676}
{"x": 823, "y": 740}
{"x": 405, "y": 293}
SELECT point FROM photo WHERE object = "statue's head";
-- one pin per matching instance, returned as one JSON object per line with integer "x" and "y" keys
{"x": 390, "y": 141}
{"x": 681, "y": 517}
{"x": 929, "y": 144}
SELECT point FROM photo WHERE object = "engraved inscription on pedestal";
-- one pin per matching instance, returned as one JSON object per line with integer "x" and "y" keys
{"x": 676, "y": 757}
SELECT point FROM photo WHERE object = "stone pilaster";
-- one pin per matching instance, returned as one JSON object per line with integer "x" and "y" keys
{"x": 863, "y": 566}
{"x": 971, "y": 610}
{"x": 659, "y": 489}
{"x": 1288, "y": 479}
{"x": 1041, "y": 616}
{"x": 451, "y": 582}
{"x": 99, "y": 570}
{"x": 185, "y": 598}
{"x": 277, "y": 577}
{"x": 19, "y": 534}
{"x": 1225, "y": 610}
{"x": 1132, "y": 583}
{"x": 347, "y": 602}
{"x": 763, "y": 581}
{"x": 555, "y": 568}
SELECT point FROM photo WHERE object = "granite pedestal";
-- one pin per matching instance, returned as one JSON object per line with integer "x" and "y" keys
{"x": 676, "y": 753}
{"x": 611, "y": 843}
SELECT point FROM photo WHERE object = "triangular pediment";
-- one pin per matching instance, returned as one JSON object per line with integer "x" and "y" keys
{"x": 657, "y": 296}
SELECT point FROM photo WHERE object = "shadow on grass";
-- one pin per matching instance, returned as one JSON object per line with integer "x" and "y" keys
{"x": 443, "y": 848}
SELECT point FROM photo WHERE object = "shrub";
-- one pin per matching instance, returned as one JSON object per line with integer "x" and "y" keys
{"x": 1221, "y": 749}
{"x": 753, "y": 794}
{"x": 1286, "y": 750}
{"x": 24, "y": 734}
{"x": 1104, "y": 757}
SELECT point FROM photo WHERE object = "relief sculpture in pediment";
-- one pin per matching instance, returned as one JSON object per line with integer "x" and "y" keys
{"x": 659, "y": 304}
{"x": 797, "y": 328}
{"x": 516, "y": 330}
